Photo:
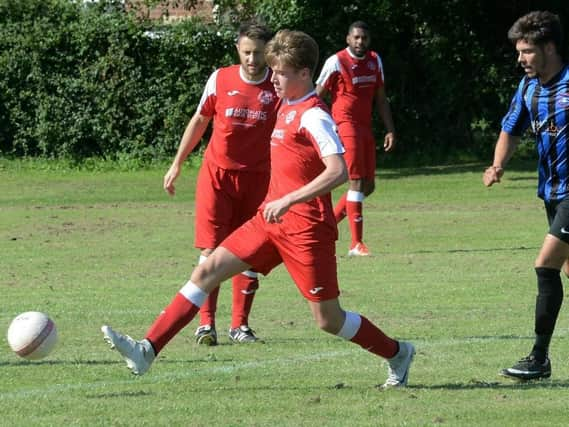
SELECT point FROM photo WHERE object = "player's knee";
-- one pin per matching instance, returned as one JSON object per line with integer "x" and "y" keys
{"x": 329, "y": 324}
{"x": 205, "y": 275}
{"x": 199, "y": 275}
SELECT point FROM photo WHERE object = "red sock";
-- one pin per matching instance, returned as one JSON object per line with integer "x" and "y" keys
{"x": 371, "y": 338}
{"x": 173, "y": 318}
{"x": 208, "y": 309}
{"x": 244, "y": 288}
{"x": 356, "y": 220}
{"x": 340, "y": 208}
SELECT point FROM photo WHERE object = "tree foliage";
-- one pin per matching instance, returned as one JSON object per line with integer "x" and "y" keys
{"x": 92, "y": 80}
{"x": 450, "y": 70}
{"x": 81, "y": 79}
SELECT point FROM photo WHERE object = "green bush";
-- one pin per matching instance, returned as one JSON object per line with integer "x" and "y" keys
{"x": 91, "y": 80}
{"x": 78, "y": 81}
{"x": 450, "y": 69}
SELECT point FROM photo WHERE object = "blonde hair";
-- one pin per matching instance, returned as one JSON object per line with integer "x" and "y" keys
{"x": 293, "y": 48}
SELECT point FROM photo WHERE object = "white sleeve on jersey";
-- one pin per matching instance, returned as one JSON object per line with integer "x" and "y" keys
{"x": 380, "y": 68}
{"x": 209, "y": 89}
{"x": 323, "y": 130}
{"x": 331, "y": 66}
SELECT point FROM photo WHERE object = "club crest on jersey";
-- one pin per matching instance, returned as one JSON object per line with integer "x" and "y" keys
{"x": 552, "y": 129}
{"x": 290, "y": 117}
{"x": 277, "y": 134}
{"x": 266, "y": 97}
{"x": 372, "y": 65}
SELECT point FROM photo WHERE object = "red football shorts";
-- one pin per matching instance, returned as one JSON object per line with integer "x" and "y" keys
{"x": 360, "y": 150}
{"x": 225, "y": 199}
{"x": 307, "y": 250}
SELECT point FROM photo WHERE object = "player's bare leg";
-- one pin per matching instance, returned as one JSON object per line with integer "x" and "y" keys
{"x": 205, "y": 333}
{"x": 139, "y": 355}
{"x": 552, "y": 257}
{"x": 353, "y": 327}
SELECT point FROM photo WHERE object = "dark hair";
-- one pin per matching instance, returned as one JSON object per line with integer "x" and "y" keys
{"x": 538, "y": 27}
{"x": 254, "y": 31}
{"x": 358, "y": 24}
{"x": 293, "y": 48}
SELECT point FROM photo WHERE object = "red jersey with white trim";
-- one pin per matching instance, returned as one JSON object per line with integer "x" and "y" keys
{"x": 243, "y": 115}
{"x": 304, "y": 133}
{"x": 352, "y": 83}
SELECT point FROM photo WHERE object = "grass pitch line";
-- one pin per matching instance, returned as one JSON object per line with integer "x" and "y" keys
{"x": 231, "y": 367}
{"x": 149, "y": 378}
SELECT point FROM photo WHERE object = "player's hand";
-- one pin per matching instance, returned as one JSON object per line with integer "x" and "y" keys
{"x": 169, "y": 179}
{"x": 389, "y": 141}
{"x": 274, "y": 210}
{"x": 491, "y": 175}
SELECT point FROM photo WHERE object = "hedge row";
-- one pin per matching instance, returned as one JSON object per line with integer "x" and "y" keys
{"x": 87, "y": 79}
{"x": 79, "y": 81}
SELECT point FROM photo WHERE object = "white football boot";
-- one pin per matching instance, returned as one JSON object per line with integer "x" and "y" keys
{"x": 399, "y": 365}
{"x": 138, "y": 355}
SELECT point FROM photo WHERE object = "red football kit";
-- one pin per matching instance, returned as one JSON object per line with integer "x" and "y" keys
{"x": 234, "y": 176}
{"x": 353, "y": 83}
{"x": 305, "y": 238}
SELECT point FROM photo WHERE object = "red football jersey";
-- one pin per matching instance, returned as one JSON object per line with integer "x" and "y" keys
{"x": 352, "y": 83}
{"x": 243, "y": 114}
{"x": 304, "y": 133}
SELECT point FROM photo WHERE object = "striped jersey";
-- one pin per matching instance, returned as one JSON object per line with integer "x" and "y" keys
{"x": 352, "y": 83}
{"x": 244, "y": 113}
{"x": 545, "y": 108}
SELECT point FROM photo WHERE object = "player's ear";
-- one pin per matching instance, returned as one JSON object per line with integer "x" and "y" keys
{"x": 550, "y": 48}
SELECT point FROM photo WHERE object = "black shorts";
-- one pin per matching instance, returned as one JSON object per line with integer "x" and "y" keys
{"x": 558, "y": 218}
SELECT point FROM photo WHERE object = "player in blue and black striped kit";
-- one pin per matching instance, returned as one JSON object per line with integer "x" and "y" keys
{"x": 542, "y": 103}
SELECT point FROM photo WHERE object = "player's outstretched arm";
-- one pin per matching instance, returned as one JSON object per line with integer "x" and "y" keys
{"x": 505, "y": 147}
{"x": 192, "y": 135}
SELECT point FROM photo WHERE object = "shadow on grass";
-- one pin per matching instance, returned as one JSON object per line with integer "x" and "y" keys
{"x": 474, "y": 250}
{"x": 494, "y": 385}
{"x": 499, "y": 337}
{"x": 102, "y": 362}
{"x": 515, "y": 166}
{"x": 121, "y": 394}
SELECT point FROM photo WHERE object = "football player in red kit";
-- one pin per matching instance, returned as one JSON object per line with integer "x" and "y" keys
{"x": 295, "y": 224}
{"x": 354, "y": 78}
{"x": 234, "y": 175}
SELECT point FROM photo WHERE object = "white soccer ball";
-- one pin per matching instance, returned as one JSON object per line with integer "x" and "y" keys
{"x": 32, "y": 335}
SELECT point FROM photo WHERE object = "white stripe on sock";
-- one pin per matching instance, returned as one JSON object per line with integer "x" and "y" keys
{"x": 193, "y": 294}
{"x": 351, "y": 325}
{"x": 355, "y": 196}
{"x": 251, "y": 274}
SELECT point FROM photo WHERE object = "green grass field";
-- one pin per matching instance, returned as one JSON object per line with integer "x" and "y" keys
{"x": 452, "y": 271}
